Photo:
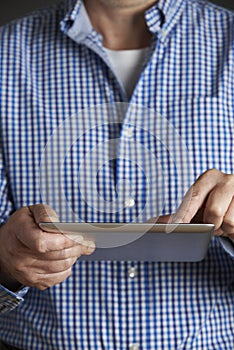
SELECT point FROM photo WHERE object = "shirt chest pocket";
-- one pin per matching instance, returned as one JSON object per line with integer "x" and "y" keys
{"x": 207, "y": 126}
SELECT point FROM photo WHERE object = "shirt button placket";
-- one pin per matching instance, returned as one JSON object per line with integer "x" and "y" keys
{"x": 129, "y": 132}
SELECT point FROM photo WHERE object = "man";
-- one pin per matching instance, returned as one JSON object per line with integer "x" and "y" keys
{"x": 184, "y": 49}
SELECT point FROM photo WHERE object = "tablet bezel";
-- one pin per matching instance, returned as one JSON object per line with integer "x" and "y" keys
{"x": 93, "y": 227}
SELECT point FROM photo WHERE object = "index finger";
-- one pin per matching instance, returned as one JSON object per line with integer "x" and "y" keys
{"x": 195, "y": 197}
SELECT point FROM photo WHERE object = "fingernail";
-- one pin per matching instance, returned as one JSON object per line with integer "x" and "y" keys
{"x": 49, "y": 218}
{"x": 76, "y": 238}
{"x": 177, "y": 220}
{"x": 90, "y": 247}
{"x": 54, "y": 218}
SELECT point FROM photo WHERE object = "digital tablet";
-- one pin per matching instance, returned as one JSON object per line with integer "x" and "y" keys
{"x": 140, "y": 241}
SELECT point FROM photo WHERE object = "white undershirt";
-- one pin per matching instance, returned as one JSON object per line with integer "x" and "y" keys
{"x": 127, "y": 65}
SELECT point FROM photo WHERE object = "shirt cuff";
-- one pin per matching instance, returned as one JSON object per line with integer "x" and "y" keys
{"x": 228, "y": 245}
{"x": 10, "y": 300}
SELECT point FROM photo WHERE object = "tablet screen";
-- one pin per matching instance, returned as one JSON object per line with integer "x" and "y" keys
{"x": 140, "y": 241}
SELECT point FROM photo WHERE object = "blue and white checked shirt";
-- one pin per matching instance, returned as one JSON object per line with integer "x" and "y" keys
{"x": 62, "y": 107}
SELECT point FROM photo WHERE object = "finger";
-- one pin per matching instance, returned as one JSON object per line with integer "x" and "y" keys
{"x": 217, "y": 204}
{"x": 29, "y": 234}
{"x": 41, "y": 242}
{"x": 44, "y": 213}
{"x": 49, "y": 267}
{"x": 228, "y": 220}
{"x": 196, "y": 196}
{"x": 25, "y": 265}
{"x": 72, "y": 252}
{"x": 88, "y": 247}
{"x": 43, "y": 281}
{"x": 220, "y": 232}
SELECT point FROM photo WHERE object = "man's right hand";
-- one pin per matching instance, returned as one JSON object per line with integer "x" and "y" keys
{"x": 33, "y": 257}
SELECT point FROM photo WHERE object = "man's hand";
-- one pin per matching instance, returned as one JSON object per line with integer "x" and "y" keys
{"x": 33, "y": 257}
{"x": 210, "y": 200}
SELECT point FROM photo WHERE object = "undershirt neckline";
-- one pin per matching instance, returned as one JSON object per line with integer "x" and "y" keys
{"x": 127, "y": 65}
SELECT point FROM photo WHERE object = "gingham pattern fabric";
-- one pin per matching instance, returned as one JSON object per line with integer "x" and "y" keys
{"x": 62, "y": 108}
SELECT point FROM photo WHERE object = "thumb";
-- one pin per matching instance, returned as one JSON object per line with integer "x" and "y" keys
{"x": 43, "y": 213}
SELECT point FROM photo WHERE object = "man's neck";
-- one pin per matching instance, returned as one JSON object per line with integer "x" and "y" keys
{"x": 121, "y": 24}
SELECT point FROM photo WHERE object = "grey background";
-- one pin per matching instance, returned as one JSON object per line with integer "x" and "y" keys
{"x": 11, "y": 9}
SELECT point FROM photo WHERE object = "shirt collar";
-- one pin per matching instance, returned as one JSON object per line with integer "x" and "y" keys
{"x": 76, "y": 23}
{"x": 172, "y": 10}
{"x": 160, "y": 19}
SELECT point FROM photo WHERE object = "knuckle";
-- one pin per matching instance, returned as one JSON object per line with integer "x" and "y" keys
{"x": 64, "y": 254}
{"x": 212, "y": 171}
{"x": 196, "y": 193}
{"x": 215, "y": 211}
{"x": 40, "y": 245}
{"x": 210, "y": 174}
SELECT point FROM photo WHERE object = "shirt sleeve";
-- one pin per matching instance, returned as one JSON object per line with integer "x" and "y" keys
{"x": 9, "y": 300}
{"x": 6, "y": 207}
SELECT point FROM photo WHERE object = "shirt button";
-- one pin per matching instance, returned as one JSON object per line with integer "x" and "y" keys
{"x": 132, "y": 272}
{"x": 135, "y": 347}
{"x": 129, "y": 203}
{"x": 129, "y": 132}
{"x": 108, "y": 93}
{"x": 163, "y": 33}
